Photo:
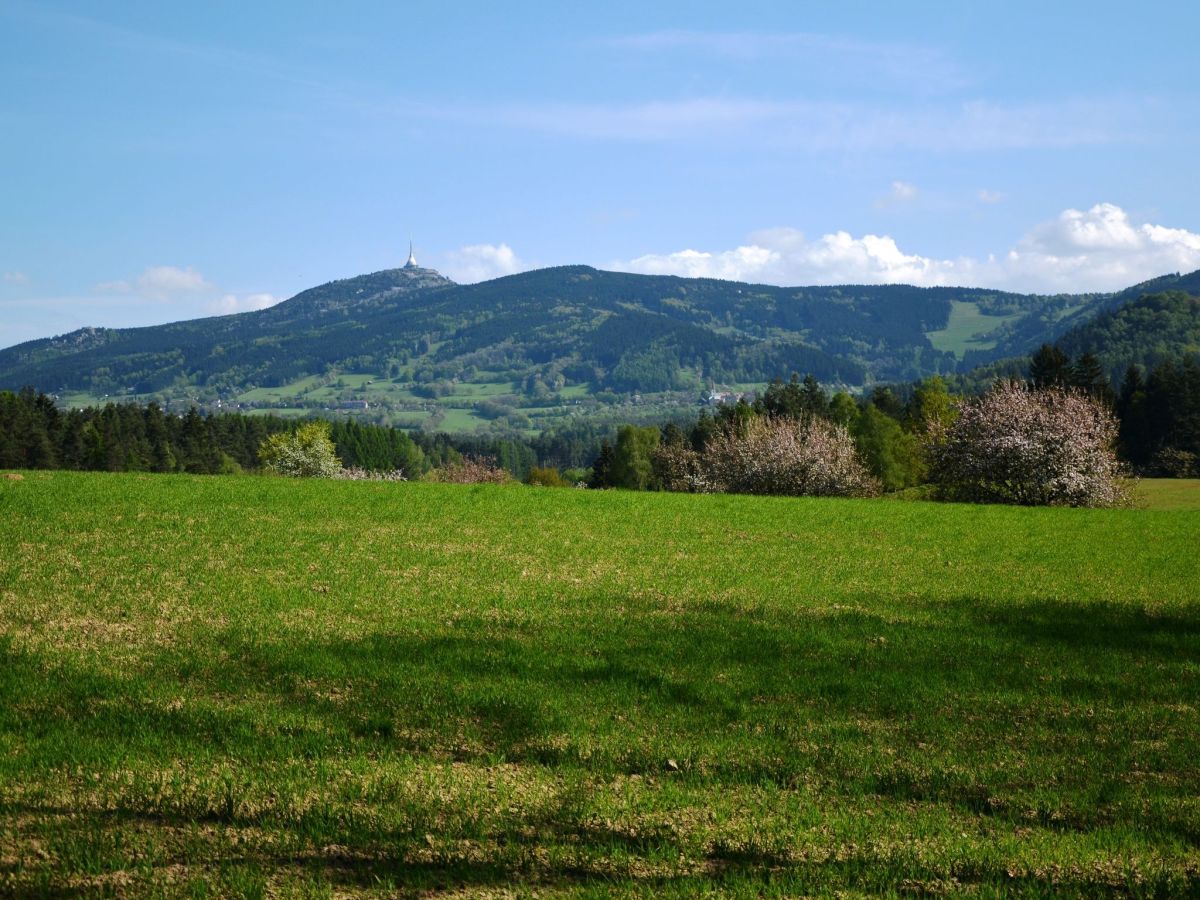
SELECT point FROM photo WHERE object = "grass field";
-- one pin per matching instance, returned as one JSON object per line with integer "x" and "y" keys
{"x": 1169, "y": 493}
{"x": 245, "y": 685}
{"x": 460, "y": 420}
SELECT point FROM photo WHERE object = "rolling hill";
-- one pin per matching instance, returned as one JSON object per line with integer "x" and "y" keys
{"x": 411, "y": 347}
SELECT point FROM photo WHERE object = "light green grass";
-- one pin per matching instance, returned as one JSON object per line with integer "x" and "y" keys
{"x": 1169, "y": 493}
{"x": 413, "y": 419}
{"x": 357, "y": 380}
{"x": 460, "y": 420}
{"x": 79, "y": 400}
{"x": 295, "y": 389}
{"x": 758, "y": 387}
{"x": 253, "y": 685}
{"x": 312, "y": 388}
{"x": 965, "y": 326}
{"x": 476, "y": 390}
{"x": 283, "y": 412}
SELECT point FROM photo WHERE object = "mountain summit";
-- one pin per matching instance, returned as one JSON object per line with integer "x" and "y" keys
{"x": 377, "y": 288}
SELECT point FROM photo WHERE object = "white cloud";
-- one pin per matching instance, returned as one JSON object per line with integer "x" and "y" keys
{"x": 158, "y": 294}
{"x": 480, "y": 262}
{"x": 168, "y": 283}
{"x": 986, "y": 196}
{"x": 16, "y": 278}
{"x": 741, "y": 264}
{"x": 786, "y": 256}
{"x": 161, "y": 284}
{"x": 231, "y": 303}
{"x": 901, "y": 192}
{"x": 1099, "y": 249}
{"x": 186, "y": 290}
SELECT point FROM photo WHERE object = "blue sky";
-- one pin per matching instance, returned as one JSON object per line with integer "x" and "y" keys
{"x": 166, "y": 161}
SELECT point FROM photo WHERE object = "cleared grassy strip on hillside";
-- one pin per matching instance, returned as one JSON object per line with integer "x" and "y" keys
{"x": 340, "y": 686}
{"x": 966, "y": 327}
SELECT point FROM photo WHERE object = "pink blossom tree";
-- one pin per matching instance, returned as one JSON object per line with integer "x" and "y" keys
{"x": 809, "y": 457}
{"x": 1034, "y": 447}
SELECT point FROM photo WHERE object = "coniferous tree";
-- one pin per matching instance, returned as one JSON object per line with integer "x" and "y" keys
{"x": 602, "y": 467}
{"x": 1087, "y": 375}
{"x": 886, "y": 401}
{"x": 1049, "y": 367}
{"x": 1131, "y": 412}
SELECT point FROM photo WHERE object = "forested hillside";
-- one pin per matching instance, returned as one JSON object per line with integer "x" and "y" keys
{"x": 409, "y": 347}
{"x": 1145, "y": 332}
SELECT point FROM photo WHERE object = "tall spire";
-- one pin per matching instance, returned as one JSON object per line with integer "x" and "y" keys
{"x": 412, "y": 260}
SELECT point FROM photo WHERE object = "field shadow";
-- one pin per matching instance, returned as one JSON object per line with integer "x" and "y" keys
{"x": 1096, "y": 626}
{"x": 641, "y": 693}
{"x": 708, "y": 667}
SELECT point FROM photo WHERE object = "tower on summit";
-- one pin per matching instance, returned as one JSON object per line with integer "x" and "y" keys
{"x": 412, "y": 260}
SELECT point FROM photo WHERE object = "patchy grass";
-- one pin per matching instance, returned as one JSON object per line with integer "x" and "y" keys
{"x": 249, "y": 685}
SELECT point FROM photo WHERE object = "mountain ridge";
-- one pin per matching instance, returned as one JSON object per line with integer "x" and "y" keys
{"x": 563, "y": 335}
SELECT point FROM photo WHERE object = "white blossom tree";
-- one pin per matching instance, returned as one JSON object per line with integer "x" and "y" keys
{"x": 306, "y": 452}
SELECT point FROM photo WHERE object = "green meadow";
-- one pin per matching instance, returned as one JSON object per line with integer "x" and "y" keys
{"x": 966, "y": 328}
{"x": 1168, "y": 493}
{"x": 254, "y": 686}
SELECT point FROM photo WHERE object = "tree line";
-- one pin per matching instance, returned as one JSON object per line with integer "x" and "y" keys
{"x": 36, "y": 434}
{"x": 1157, "y": 409}
{"x": 885, "y": 430}
{"x": 1157, "y": 413}
{"x": 129, "y": 437}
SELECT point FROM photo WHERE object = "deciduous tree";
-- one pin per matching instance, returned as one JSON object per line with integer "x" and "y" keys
{"x": 1015, "y": 444}
{"x": 306, "y": 452}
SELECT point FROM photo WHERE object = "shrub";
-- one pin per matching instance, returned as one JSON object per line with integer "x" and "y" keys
{"x": 306, "y": 452}
{"x": 680, "y": 468}
{"x": 1171, "y": 462}
{"x": 354, "y": 473}
{"x": 810, "y": 457}
{"x": 1029, "y": 446}
{"x": 547, "y": 476}
{"x": 891, "y": 454}
{"x": 470, "y": 470}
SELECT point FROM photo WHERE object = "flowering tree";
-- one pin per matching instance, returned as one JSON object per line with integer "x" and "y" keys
{"x": 306, "y": 452}
{"x": 763, "y": 455}
{"x": 356, "y": 473}
{"x": 470, "y": 470}
{"x": 1049, "y": 446}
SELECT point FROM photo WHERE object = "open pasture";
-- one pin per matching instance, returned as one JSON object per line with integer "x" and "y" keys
{"x": 247, "y": 685}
